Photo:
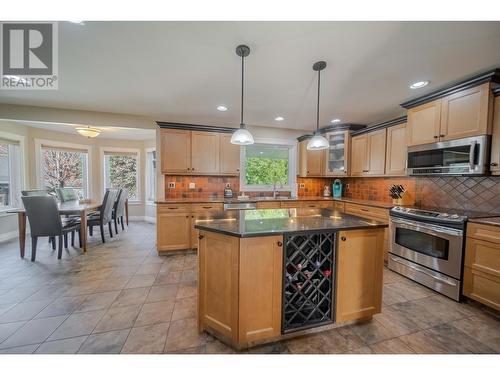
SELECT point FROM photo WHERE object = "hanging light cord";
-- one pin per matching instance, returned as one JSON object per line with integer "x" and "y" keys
{"x": 242, "y": 124}
{"x": 317, "y": 108}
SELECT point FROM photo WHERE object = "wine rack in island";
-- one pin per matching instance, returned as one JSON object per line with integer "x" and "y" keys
{"x": 308, "y": 280}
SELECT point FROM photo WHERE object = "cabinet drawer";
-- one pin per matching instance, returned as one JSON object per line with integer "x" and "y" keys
{"x": 263, "y": 205}
{"x": 483, "y": 256}
{"x": 204, "y": 207}
{"x": 482, "y": 287}
{"x": 369, "y": 212}
{"x": 172, "y": 208}
{"x": 484, "y": 232}
{"x": 291, "y": 204}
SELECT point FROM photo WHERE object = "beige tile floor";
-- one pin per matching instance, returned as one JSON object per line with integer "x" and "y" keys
{"x": 121, "y": 297}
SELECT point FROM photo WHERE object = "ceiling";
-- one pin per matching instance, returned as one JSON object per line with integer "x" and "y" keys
{"x": 181, "y": 71}
{"x": 107, "y": 132}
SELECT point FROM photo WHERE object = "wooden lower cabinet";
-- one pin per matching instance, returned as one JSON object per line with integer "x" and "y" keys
{"x": 359, "y": 274}
{"x": 482, "y": 264}
{"x": 240, "y": 286}
{"x": 173, "y": 231}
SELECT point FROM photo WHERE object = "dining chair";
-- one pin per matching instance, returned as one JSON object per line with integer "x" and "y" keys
{"x": 119, "y": 209}
{"x": 67, "y": 194}
{"x": 104, "y": 215}
{"x": 35, "y": 192}
{"x": 45, "y": 221}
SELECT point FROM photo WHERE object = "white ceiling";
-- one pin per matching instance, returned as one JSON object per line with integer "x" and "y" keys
{"x": 181, "y": 71}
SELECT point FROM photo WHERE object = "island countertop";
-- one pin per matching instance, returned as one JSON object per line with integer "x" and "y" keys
{"x": 270, "y": 222}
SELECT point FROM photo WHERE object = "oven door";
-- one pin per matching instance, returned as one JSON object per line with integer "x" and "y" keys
{"x": 438, "y": 248}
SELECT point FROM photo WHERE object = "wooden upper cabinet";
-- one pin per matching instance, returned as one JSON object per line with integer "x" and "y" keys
{"x": 424, "y": 123}
{"x": 337, "y": 155}
{"x": 359, "y": 152}
{"x": 204, "y": 152}
{"x": 495, "y": 139}
{"x": 315, "y": 162}
{"x": 466, "y": 113}
{"x": 229, "y": 155}
{"x": 175, "y": 151}
{"x": 395, "y": 159}
{"x": 376, "y": 152}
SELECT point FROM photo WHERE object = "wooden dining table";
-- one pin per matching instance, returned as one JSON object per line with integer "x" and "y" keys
{"x": 81, "y": 209}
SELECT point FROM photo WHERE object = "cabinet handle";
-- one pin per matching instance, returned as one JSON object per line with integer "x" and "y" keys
{"x": 207, "y": 207}
{"x": 200, "y": 237}
{"x": 365, "y": 170}
{"x": 365, "y": 209}
{"x": 343, "y": 238}
{"x": 494, "y": 164}
{"x": 237, "y": 170}
{"x": 442, "y": 135}
{"x": 187, "y": 216}
{"x": 173, "y": 208}
{"x": 436, "y": 137}
{"x": 280, "y": 243}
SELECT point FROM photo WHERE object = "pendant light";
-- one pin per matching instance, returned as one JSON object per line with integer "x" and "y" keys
{"x": 318, "y": 142}
{"x": 242, "y": 136}
{"x": 88, "y": 131}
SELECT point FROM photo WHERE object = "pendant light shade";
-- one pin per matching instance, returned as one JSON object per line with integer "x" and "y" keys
{"x": 242, "y": 136}
{"x": 318, "y": 142}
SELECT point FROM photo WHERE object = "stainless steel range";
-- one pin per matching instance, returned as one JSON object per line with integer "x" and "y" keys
{"x": 428, "y": 247}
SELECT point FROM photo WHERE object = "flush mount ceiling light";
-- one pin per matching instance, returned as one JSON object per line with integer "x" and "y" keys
{"x": 222, "y": 108}
{"x": 88, "y": 131}
{"x": 335, "y": 121}
{"x": 242, "y": 136}
{"x": 318, "y": 142}
{"x": 279, "y": 118}
{"x": 419, "y": 84}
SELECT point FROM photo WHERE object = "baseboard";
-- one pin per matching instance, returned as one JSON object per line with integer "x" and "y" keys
{"x": 150, "y": 219}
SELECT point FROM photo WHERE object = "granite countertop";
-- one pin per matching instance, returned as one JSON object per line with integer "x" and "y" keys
{"x": 267, "y": 199}
{"x": 495, "y": 221}
{"x": 270, "y": 222}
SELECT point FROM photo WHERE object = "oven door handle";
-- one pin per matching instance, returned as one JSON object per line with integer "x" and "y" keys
{"x": 471, "y": 154}
{"x": 423, "y": 270}
{"x": 428, "y": 228}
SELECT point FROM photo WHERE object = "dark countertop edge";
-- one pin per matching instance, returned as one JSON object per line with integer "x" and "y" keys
{"x": 268, "y": 234}
{"x": 493, "y": 221}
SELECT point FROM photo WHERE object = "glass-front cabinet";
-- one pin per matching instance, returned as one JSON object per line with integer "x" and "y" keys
{"x": 337, "y": 155}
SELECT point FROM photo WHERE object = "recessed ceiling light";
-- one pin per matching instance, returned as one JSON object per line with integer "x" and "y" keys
{"x": 419, "y": 84}
{"x": 222, "y": 108}
{"x": 279, "y": 118}
{"x": 335, "y": 121}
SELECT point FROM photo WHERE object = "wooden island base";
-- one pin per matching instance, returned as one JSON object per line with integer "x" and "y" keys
{"x": 241, "y": 285}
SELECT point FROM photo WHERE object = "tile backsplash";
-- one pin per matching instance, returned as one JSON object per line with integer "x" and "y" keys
{"x": 205, "y": 186}
{"x": 377, "y": 188}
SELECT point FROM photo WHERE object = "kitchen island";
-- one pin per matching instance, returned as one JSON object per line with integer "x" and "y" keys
{"x": 265, "y": 275}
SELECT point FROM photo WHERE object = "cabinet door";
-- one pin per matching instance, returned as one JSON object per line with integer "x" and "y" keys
{"x": 175, "y": 151}
{"x": 359, "y": 154}
{"x": 204, "y": 152}
{"x": 315, "y": 165}
{"x": 229, "y": 156}
{"x": 359, "y": 274}
{"x": 173, "y": 231}
{"x": 336, "y": 156}
{"x": 376, "y": 152}
{"x": 466, "y": 113}
{"x": 260, "y": 288}
{"x": 495, "y": 139}
{"x": 423, "y": 123}
{"x": 395, "y": 160}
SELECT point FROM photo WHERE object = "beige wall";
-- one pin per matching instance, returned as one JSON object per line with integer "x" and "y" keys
{"x": 8, "y": 223}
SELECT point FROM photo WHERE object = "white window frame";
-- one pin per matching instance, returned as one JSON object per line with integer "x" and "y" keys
{"x": 39, "y": 143}
{"x": 136, "y": 151}
{"x": 292, "y": 165}
{"x": 21, "y": 139}
{"x": 148, "y": 172}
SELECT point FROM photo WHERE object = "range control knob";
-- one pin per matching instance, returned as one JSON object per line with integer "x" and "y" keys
{"x": 454, "y": 216}
{"x": 445, "y": 215}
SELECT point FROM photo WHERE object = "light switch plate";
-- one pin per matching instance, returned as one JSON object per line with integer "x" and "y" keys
{"x": 302, "y": 186}
{"x": 171, "y": 185}
{"x": 192, "y": 185}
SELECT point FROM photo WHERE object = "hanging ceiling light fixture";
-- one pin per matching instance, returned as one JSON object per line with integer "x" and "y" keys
{"x": 318, "y": 142}
{"x": 242, "y": 136}
{"x": 88, "y": 131}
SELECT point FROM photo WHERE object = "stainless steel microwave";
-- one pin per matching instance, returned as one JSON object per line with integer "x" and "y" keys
{"x": 466, "y": 156}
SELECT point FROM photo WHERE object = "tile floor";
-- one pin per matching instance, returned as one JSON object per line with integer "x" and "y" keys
{"x": 121, "y": 297}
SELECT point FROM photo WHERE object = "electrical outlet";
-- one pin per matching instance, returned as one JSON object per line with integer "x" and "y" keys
{"x": 302, "y": 186}
{"x": 228, "y": 185}
{"x": 192, "y": 185}
{"x": 171, "y": 185}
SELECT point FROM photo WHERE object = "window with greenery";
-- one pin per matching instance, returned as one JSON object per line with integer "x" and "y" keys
{"x": 121, "y": 171}
{"x": 265, "y": 166}
{"x": 64, "y": 168}
{"x": 10, "y": 174}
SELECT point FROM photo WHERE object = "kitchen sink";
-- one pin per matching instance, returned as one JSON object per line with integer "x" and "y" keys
{"x": 273, "y": 199}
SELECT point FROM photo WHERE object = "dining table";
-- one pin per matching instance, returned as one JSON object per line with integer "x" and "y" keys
{"x": 80, "y": 208}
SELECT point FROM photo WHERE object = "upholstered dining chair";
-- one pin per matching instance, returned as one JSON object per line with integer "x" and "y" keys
{"x": 35, "y": 192}
{"x": 45, "y": 221}
{"x": 119, "y": 209}
{"x": 104, "y": 215}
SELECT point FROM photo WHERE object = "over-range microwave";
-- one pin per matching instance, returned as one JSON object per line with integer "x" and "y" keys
{"x": 466, "y": 156}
